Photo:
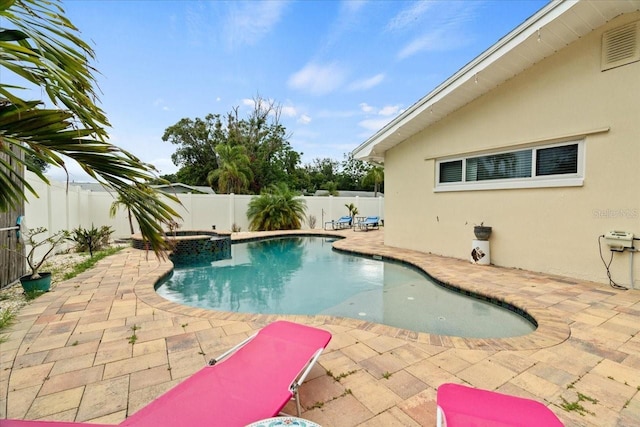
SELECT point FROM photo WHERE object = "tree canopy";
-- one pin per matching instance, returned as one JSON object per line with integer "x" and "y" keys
{"x": 214, "y": 151}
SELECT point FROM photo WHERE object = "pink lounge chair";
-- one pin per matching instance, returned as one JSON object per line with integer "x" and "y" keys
{"x": 252, "y": 381}
{"x": 29, "y": 423}
{"x": 459, "y": 405}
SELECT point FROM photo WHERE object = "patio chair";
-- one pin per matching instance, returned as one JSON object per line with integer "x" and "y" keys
{"x": 41, "y": 423}
{"x": 252, "y": 381}
{"x": 341, "y": 223}
{"x": 460, "y": 405}
{"x": 369, "y": 223}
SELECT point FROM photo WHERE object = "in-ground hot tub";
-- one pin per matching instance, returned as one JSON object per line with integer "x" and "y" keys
{"x": 193, "y": 246}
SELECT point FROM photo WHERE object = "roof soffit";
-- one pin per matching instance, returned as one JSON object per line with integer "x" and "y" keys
{"x": 555, "y": 26}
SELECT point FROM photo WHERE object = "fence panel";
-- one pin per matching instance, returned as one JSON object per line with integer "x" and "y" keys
{"x": 58, "y": 209}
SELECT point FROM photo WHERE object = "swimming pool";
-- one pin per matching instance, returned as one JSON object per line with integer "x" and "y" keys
{"x": 304, "y": 275}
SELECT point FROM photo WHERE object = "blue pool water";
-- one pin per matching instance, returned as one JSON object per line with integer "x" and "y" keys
{"x": 303, "y": 275}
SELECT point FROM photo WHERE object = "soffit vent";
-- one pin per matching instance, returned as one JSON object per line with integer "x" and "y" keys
{"x": 621, "y": 46}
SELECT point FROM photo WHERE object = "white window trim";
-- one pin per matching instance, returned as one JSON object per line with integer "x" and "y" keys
{"x": 547, "y": 181}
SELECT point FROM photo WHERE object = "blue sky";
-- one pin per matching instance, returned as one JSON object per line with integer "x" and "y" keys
{"x": 339, "y": 69}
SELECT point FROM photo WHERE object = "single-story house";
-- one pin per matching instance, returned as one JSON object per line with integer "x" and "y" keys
{"x": 180, "y": 188}
{"x": 174, "y": 188}
{"x": 349, "y": 193}
{"x": 539, "y": 138}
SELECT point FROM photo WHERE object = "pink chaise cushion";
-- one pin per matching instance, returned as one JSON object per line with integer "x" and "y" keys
{"x": 252, "y": 384}
{"x": 472, "y": 407}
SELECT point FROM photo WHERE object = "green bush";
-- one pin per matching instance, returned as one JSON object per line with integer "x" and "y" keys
{"x": 93, "y": 239}
{"x": 277, "y": 208}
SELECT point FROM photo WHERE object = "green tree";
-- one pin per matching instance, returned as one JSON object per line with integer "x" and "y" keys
{"x": 264, "y": 139}
{"x": 40, "y": 47}
{"x": 352, "y": 172}
{"x": 277, "y": 208}
{"x": 196, "y": 141}
{"x": 273, "y": 160}
{"x": 321, "y": 172}
{"x": 234, "y": 172}
{"x": 374, "y": 177}
{"x": 331, "y": 187}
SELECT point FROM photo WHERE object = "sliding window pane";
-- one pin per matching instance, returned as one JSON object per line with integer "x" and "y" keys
{"x": 451, "y": 171}
{"x": 511, "y": 165}
{"x": 557, "y": 160}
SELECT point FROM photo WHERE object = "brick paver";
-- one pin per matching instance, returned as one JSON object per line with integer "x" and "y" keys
{"x": 104, "y": 344}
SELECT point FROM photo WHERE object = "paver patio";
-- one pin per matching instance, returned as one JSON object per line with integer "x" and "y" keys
{"x": 70, "y": 355}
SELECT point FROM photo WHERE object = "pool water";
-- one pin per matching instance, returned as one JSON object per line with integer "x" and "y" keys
{"x": 304, "y": 275}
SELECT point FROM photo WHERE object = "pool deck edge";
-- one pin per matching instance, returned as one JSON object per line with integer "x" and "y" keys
{"x": 107, "y": 333}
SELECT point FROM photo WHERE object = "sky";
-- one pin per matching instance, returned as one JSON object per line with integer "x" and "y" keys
{"x": 340, "y": 70}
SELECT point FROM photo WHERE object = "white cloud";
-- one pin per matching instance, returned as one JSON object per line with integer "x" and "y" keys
{"x": 304, "y": 119}
{"x": 366, "y": 107}
{"x": 289, "y": 111}
{"x": 353, "y": 6}
{"x": 164, "y": 165}
{"x": 367, "y": 83}
{"x": 434, "y": 25}
{"x": 438, "y": 40}
{"x": 195, "y": 23}
{"x": 336, "y": 114}
{"x": 389, "y": 110}
{"x": 318, "y": 79}
{"x": 248, "y": 22}
{"x": 374, "y": 124}
{"x": 409, "y": 16}
{"x": 76, "y": 173}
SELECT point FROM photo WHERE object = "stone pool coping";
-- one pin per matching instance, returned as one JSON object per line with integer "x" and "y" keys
{"x": 71, "y": 356}
{"x": 551, "y": 329}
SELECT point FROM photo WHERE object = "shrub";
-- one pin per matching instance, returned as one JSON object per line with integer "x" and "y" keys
{"x": 277, "y": 208}
{"x": 92, "y": 239}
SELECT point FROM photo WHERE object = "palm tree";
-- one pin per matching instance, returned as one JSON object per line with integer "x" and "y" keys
{"x": 375, "y": 176}
{"x": 129, "y": 203}
{"x": 113, "y": 210}
{"x": 276, "y": 209}
{"x": 42, "y": 48}
{"x": 353, "y": 211}
{"x": 234, "y": 171}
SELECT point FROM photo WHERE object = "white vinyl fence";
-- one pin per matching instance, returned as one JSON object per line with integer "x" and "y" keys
{"x": 59, "y": 207}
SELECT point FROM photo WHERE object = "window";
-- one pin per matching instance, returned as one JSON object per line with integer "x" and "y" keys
{"x": 451, "y": 171}
{"x": 543, "y": 166}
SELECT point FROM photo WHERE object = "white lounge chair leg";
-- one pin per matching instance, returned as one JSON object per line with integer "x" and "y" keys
{"x": 440, "y": 419}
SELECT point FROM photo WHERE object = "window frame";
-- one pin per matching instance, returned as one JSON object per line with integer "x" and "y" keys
{"x": 535, "y": 181}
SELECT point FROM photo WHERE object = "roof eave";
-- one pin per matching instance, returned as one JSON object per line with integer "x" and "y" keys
{"x": 397, "y": 130}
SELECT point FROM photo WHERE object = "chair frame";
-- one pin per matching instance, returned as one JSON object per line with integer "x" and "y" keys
{"x": 283, "y": 356}
{"x": 369, "y": 223}
{"x": 295, "y": 385}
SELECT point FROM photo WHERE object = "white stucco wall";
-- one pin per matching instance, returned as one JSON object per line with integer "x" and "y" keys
{"x": 552, "y": 230}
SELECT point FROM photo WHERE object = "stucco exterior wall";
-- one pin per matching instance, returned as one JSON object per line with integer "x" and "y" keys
{"x": 552, "y": 230}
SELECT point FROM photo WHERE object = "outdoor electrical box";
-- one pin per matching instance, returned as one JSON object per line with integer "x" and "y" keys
{"x": 618, "y": 240}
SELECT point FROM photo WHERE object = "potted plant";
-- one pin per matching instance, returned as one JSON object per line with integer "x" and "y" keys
{"x": 353, "y": 211}
{"x": 36, "y": 280}
{"x": 482, "y": 231}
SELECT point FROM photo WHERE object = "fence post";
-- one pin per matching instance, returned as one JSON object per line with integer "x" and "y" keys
{"x": 232, "y": 210}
